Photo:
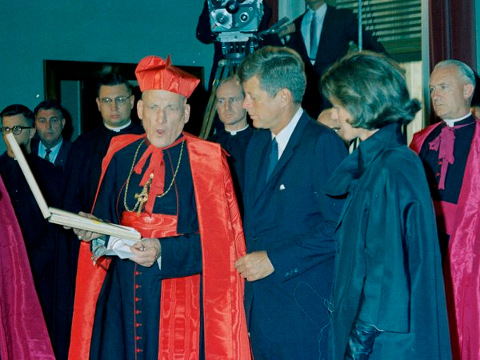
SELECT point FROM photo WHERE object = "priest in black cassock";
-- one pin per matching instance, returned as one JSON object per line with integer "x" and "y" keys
{"x": 47, "y": 254}
{"x": 115, "y": 102}
{"x": 176, "y": 293}
{"x": 236, "y": 134}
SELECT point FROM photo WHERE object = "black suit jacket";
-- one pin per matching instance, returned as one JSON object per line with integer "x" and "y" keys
{"x": 340, "y": 27}
{"x": 62, "y": 156}
{"x": 289, "y": 217}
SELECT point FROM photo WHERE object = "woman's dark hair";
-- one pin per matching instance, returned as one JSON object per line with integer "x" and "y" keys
{"x": 372, "y": 88}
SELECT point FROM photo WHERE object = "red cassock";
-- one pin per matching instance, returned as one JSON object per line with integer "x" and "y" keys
{"x": 222, "y": 242}
{"x": 462, "y": 265}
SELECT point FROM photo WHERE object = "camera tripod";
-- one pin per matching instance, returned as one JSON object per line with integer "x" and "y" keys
{"x": 226, "y": 67}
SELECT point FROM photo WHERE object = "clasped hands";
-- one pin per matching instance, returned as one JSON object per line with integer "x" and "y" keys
{"x": 146, "y": 252}
{"x": 254, "y": 266}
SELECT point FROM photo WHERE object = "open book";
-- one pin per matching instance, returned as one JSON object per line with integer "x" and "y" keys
{"x": 62, "y": 217}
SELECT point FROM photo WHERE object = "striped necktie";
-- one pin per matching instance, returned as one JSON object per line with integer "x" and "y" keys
{"x": 313, "y": 37}
{"x": 47, "y": 154}
{"x": 273, "y": 158}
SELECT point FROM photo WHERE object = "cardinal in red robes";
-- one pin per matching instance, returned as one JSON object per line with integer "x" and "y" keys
{"x": 176, "y": 295}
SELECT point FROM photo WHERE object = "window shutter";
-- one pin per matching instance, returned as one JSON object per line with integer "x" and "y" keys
{"x": 396, "y": 23}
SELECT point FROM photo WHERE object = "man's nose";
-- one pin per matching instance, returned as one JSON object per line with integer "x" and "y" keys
{"x": 161, "y": 117}
{"x": 434, "y": 93}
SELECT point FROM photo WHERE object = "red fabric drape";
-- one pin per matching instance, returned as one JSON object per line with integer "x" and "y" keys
{"x": 23, "y": 333}
{"x": 452, "y": 31}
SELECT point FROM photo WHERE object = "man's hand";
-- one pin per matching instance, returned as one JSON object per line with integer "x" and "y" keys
{"x": 146, "y": 251}
{"x": 85, "y": 235}
{"x": 254, "y": 266}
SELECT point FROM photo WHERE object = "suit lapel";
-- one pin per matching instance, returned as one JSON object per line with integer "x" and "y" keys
{"x": 289, "y": 151}
{"x": 259, "y": 167}
{"x": 327, "y": 28}
{"x": 297, "y": 41}
{"x": 61, "y": 155}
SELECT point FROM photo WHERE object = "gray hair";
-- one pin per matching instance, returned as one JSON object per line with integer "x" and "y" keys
{"x": 276, "y": 68}
{"x": 465, "y": 71}
{"x": 372, "y": 88}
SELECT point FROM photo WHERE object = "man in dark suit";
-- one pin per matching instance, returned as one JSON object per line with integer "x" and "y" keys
{"x": 50, "y": 122}
{"x": 289, "y": 223}
{"x": 322, "y": 42}
{"x": 47, "y": 253}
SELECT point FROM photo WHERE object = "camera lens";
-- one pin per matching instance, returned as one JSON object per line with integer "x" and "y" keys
{"x": 232, "y": 6}
{"x": 221, "y": 18}
{"x": 244, "y": 17}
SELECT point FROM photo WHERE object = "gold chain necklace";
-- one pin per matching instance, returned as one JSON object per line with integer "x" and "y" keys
{"x": 143, "y": 195}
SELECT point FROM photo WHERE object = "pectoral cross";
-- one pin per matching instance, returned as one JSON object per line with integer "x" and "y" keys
{"x": 142, "y": 198}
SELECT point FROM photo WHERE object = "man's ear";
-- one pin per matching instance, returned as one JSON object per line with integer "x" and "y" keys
{"x": 32, "y": 133}
{"x": 285, "y": 96}
{"x": 468, "y": 90}
{"x": 187, "y": 113}
{"x": 140, "y": 109}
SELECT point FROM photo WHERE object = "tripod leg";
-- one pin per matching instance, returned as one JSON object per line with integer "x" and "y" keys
{"x": 210, "y": 112}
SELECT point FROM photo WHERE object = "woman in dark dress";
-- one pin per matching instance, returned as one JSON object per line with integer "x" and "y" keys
{"x": 389, "y": 300}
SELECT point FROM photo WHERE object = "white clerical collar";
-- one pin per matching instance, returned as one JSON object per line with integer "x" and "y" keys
{"x": 283, "y": 136}
{"x": 118, "y": 129}
{"x": 235, "y": 132}
{"x": 451, "y": 122}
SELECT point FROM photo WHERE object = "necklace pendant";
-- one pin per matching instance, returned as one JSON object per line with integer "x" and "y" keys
{"x": 142, "y": 198}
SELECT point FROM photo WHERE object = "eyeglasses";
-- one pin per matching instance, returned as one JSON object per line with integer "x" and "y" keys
{"x": 119, "y": 100}
{"x": 16, "y": 130}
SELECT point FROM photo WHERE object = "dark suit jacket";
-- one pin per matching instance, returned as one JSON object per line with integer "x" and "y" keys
{"x": 339, "y": 28}
{"x": 62, "y": 156}
{"x": 292, "y": 220}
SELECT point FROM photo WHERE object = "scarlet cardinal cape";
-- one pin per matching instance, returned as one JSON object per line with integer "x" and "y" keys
{"x": 462, "y": 267}
{"x": 222, "y": 243}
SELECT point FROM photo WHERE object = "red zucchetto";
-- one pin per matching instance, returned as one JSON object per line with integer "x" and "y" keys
{"x": 155, "y": 73}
